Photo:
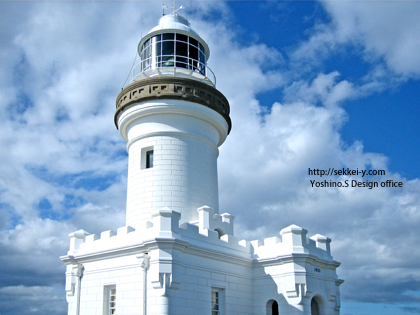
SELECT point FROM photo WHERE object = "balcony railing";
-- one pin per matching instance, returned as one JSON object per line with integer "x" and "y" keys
{"x": 174, "y": 66}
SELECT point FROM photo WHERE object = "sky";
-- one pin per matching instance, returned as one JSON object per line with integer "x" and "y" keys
{"x": 311, "y": 84}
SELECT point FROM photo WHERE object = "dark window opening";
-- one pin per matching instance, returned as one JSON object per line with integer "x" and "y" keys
{"x": 182, "y": 37}
{"x": 272, "y": 308}
{"x": 149, "y": 159}
{"x": 168, "y": 36}
{"x": 215, "y": 303}
{"x": 193, "y": 42}
{"x": 314, "y": 307}
{"x": 275, "y": 308}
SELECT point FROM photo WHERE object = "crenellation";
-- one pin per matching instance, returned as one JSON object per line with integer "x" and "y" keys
{"x": 293, "y": 240}
{"x": 227, "y": 218}
{"x": 322, "y": 242}
{"x": 107, "y": 234}
{"x": 191, "y": 229}
{"x": 229, "y": 239}
{"x": 76, "y": 239}
{"x": 256, "y": 244}
{"x": 271, "y": 241}
{"x": 244, "y": 243}
{"x": 125, "y": 230}
{"x": 212, "y": 235}
{"x": 208, "y": 219}
{"x": 91, "y": 238}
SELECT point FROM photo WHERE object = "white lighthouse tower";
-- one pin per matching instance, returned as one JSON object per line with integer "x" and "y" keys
{"x": 173, "y": 119}
{"x": 177, "y": 253}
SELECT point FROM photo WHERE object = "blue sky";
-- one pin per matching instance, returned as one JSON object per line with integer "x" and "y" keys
{"x": 311, "y": 85}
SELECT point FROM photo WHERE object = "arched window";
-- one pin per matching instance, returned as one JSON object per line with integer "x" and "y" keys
{"x": 314, "y": 307}
{"x": 272, "y": 307}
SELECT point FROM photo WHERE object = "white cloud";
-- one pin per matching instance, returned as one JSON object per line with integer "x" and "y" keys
{"x": 386, "y": 30}
{"x": 71, "y": 74}
{"x": 32, "y": 300}
{"x": 384, "y": 33}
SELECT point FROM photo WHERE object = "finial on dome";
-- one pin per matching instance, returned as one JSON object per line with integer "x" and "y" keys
{"x": 164, "y": 6}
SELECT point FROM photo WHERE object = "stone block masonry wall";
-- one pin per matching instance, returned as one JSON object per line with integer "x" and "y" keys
{"x": 123, "y": 273}
{"x": 194, "y": 296}
{"x": 187, "y": 264}
{"x": 200, "y": 274}
{"x": 183, "y": 178}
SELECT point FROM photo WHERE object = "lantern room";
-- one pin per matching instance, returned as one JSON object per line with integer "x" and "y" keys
{"x": 173, "y": 48}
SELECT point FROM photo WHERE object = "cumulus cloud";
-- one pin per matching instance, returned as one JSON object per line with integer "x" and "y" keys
{"x": 384, "y": 34}
{"x": 270, "y": 187}
{"x": 385, "y": 30}
{"x": 64, "y": 164}
{"x": 32, "y": 300}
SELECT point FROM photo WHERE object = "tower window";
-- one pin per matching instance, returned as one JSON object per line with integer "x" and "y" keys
{"x": 217, "y": 301}
{"x": 149, "y": 159}
{"x": 146, "y": 158}
{"x": 110, "y": 299}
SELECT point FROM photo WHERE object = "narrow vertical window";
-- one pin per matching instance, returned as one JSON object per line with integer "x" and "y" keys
{"x": 146, "y": 158}
{"x": 110, "y": 300}
{"x": 215, "y": 303}
{"x": 149, "y": 159}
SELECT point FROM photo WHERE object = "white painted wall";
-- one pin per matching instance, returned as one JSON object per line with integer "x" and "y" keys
{"x": 186, "y": 262}
{"x": 185, "y": 139}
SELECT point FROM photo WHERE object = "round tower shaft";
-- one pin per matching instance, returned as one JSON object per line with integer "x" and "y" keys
{"x": 173, "y": 119}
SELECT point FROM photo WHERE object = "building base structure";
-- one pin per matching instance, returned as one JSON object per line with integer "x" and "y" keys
{"x": 177, "y": 255}
{"x": 176, "y": 269}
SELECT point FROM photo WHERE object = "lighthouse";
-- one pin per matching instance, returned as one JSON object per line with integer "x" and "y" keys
{"x": 177, "y": 253}
{"x": 174, "y": 120}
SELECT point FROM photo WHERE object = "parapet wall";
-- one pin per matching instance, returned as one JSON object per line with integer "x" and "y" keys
{"x": 212, "y": 231}
{"x": 290, "y": 268}
{"x": 293, "y": 240}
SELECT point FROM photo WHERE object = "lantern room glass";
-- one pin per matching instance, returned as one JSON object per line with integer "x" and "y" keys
{"x": 173, "y": 50}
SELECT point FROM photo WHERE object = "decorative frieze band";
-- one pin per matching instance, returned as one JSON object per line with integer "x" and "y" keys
{"x": 172, "y": 88}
